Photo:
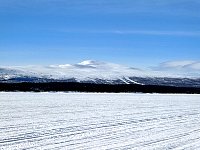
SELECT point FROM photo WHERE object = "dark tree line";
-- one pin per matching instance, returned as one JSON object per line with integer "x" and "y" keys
{"x": 89, "y": 87}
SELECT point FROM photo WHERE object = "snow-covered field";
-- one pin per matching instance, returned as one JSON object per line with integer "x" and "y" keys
{"x": 99, "y": 121}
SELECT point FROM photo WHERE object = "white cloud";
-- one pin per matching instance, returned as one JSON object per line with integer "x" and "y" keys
{"x": 181, "y": 65}
{"x": 134, "y": 32}
{"x": 156, "y": 32}
{"x": 176, "y": 64}
{"x": 195, "y": 66}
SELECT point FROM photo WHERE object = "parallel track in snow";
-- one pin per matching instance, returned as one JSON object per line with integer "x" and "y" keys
{"x": 99, "y": 121}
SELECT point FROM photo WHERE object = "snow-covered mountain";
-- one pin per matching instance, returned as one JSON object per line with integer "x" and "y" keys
{"x": 90, "y": 71}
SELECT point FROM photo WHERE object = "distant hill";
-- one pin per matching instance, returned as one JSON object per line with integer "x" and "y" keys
{"x": 93, "y": 74}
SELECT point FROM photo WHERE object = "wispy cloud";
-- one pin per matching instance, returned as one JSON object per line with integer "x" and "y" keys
{"x": 154, "y": 32}
{"x": 135, "y": 32}
{"x": 184, "y": 65}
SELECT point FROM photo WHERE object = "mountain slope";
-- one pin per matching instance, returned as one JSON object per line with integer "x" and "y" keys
{"x": 96, "y": 72}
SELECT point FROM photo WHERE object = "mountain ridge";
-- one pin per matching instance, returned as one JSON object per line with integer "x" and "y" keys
{"x": 96, "y": 72}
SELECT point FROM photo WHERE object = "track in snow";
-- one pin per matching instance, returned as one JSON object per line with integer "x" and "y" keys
{"x": 99, "y": 121}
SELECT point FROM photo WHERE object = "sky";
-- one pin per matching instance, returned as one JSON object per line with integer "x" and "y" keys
{"x": 141, "y": 33}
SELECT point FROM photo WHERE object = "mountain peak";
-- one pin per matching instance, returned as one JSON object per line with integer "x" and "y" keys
{"x": 88, "y": 62}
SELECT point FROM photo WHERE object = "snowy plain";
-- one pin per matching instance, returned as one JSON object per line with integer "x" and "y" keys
{"x": 99, "y": 121}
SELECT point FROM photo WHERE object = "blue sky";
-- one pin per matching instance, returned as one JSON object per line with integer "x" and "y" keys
{"x": 132, "y": 32}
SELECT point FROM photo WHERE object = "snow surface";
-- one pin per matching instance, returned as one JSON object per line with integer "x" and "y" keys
{"x": 99, "y": 121}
